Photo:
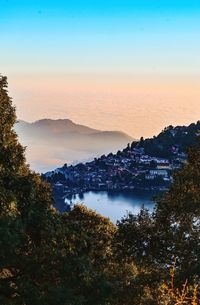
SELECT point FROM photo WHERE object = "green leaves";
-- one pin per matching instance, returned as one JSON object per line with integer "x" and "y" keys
{"x": 80, "y": 257}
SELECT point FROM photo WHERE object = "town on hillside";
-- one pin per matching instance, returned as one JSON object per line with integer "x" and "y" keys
{"x": 145, "y": 165}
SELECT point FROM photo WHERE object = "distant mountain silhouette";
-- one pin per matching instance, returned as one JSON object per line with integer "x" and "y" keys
{"x": 51, "y": 143}
{"x": 58, "y": 127}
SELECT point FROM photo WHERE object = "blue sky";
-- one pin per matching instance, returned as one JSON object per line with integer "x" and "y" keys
{"x": 143, "y": 36}
{"x": 109, "y": 64}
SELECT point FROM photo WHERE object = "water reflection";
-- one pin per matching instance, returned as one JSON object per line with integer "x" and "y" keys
{"x": 114, "y": 204}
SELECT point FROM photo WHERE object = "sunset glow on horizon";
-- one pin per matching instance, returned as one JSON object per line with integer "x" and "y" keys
{"x": 126, "y": 65}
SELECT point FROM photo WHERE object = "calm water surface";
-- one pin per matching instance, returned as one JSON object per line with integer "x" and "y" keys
{"x": 115, "y": 204}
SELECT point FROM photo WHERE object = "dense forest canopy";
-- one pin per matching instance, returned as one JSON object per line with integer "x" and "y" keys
{"x": 80, "y": 257}
{"x": 170, "y": 140}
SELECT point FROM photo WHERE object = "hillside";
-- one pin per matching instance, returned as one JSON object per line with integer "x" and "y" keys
{"x": 81, "y": 257}
{"x": 145, "y": 165}
{"x": 171, "y": 140}
{"x": 51, "y": 143}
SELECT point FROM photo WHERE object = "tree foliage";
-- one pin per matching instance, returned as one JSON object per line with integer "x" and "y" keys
{"x": 152, "y": 241}
{"x": 171, "y": 140}
{"x": 80, "y": 257}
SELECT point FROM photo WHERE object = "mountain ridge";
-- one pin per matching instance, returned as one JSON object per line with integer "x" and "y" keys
{"x": 55, "y": 142}
{"x": 67, "y": 123}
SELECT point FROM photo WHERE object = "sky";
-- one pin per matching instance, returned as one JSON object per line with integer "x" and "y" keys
{"x": 120, "y": 65}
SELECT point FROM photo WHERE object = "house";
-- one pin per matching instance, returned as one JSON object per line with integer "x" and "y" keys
{"x": 165, "y": 166}
{"x": 159, "y": 172}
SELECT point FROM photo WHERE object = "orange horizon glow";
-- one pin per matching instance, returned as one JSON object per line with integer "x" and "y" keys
{"x": 139, "y": 106}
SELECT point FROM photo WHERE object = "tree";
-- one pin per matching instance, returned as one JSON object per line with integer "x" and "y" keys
{"x": 25, "y": 214}
{"x": 49, "y": 258}
{"x": 90, "y": 236}
{"x": 169, "y": 294}
{"x": 80, "y": 257}
{"x": 172, "y": 231}
{"x": 134, "y": 244}
{"x": 177, "y": 218}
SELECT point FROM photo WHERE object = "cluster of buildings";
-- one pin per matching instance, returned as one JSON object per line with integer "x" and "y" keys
{"x": 130, "y": 169}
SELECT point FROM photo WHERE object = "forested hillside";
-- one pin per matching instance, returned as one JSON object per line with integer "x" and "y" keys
{"x": 171, "y": 140}
{"x": 80, "y": 257}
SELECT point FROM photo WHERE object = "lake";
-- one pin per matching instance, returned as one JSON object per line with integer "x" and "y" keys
{"x": 115, "y": 204}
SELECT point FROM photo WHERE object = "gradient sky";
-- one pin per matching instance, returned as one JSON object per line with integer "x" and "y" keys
{"x": 128, "y": 65}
